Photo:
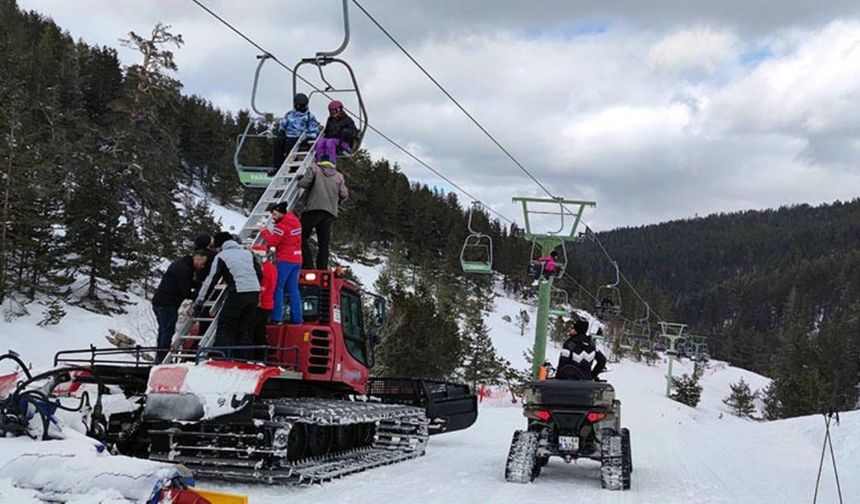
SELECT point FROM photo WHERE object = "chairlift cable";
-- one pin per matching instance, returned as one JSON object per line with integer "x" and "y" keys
{"x": 487, "y": 133}
{"x": 370, "y": 126}
{"x": 403, "y": 149}
{"x": 454, "y": 100}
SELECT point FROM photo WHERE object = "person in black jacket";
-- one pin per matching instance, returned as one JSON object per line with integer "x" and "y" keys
{"x": 578, "y": 354}
{"x": 339, "y": 135}
{"x": 205, "y": 243}
{"x": 180, "y": 282}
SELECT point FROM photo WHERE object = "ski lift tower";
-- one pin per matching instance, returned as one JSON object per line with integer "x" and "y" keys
{"x": 672, "y": 332}
{"x": 698, "y": 343}
{"x": 568, "y": 214}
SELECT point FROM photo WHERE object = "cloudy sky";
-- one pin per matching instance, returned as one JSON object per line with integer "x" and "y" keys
{"x": 657, "y": 110}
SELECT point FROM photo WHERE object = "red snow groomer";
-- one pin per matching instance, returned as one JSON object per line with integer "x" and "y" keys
{"x": 308, "y": 412}
{"x": 304, "y": 408}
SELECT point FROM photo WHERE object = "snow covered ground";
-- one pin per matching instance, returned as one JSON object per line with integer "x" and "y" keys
{"x": 681, "y": 454}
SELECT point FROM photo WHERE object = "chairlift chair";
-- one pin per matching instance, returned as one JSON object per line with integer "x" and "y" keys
{"x": 538, "y": 266}
{"x": 559, "y": 301}
{"x": 609, "y": 296}
{"x": 545, "y": 241}
{"x": 477, "y": 245}
{"x": 325, "y": 58}
{"x": 251, "y": 175}
{"x": 626, "y": 336}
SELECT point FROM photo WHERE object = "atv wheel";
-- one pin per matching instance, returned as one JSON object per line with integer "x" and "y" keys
{"x": 522, "y": 465}
{"x": 626, "y": 453}
{"x": 614, "y": 467}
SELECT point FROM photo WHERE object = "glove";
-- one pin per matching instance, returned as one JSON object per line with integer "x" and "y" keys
{"x": 197, "y": 309}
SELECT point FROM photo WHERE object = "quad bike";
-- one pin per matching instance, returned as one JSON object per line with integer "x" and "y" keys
{"x": 571, "y": 419}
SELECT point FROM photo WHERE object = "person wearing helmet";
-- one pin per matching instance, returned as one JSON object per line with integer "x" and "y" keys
{"x": 578, "y": 355}
{"x": 290, "y": 128}
{"x": 339, "y": 135}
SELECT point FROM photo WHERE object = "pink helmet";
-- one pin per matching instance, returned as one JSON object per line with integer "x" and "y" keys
{"x": 335, "y": 104}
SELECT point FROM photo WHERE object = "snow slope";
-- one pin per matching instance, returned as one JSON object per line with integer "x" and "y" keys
{"x": 681, "y": 454}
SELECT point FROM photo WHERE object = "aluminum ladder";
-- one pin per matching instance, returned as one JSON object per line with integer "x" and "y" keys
{"x": 283, "y": 187}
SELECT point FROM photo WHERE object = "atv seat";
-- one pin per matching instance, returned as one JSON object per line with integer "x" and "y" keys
{"x": 575, "y": 393}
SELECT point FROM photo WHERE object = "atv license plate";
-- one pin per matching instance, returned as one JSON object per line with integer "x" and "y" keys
{"x": 568, "y": 443}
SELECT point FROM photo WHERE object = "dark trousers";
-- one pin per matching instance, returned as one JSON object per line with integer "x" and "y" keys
{"x": 166, "y": 316}
{"x": 236, "y": 323}
{"x": 281, "y": 147}
{"x": 261, "y": 319}
{"x": 319, "y": 221}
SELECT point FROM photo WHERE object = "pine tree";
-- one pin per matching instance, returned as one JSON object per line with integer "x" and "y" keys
{"x": 686, "y": 390}
{"x": 148, "y": 155}
{"x": 558, "y": 330}
{"x": 419, "y": 340}
{"x": 798, "y": 387}
{"x": 741, "y": 400}
{"x": 54, "y": 313}
{"x": 523, "y": 320}
{"x": 481, "y": 363}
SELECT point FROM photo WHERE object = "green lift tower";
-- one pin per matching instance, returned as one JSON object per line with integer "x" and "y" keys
{"x": 562, "y": 217}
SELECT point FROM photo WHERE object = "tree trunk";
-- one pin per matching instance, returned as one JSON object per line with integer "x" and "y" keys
{"x": 4, "y": 218}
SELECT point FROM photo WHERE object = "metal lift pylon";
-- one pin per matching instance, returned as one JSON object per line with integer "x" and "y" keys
{"x": 545, "y": 243}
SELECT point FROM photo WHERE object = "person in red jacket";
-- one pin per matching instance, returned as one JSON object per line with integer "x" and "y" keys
{"x": 267, "y": 299}
{"x": 286, "y": 237}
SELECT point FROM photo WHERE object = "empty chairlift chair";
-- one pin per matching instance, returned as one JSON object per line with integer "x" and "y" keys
{"x": 476, "y": 256}
{"x": 559, "y": 302}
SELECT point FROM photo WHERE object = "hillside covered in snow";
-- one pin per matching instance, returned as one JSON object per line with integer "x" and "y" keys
{"x": 680, "y": 454}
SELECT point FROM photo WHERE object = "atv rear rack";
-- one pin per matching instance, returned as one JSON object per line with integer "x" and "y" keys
{"x": 450, "y": 406}
{"x": 141, "y": 356}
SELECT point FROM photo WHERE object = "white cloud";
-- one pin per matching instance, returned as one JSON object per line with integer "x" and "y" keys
{"x": 656, "y": 117}
{"x": 703, "y": 49}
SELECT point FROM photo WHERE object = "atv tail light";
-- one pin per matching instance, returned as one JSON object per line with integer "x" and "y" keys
{"x": 594, "y": 416}
{"x": 310, "y": 277}
{"x": 543, "y": 415}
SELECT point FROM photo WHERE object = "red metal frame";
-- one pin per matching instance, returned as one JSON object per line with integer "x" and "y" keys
{"x": 323, "y": 356}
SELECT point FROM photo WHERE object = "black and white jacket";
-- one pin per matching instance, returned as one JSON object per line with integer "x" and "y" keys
{"x": 578, "y": 355}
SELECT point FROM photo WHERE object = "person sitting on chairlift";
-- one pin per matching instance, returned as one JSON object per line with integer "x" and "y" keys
{"x": 606, "y": 306}
{"x": 578, "y": 354}
{"x": 297, "y": 121}
{"x": 339, "y": 135}
{"x": 546, "y": 265}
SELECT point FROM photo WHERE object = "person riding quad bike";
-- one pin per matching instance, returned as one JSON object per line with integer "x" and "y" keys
{"x": 572, "y": 416}
{"x": 578, "y": 355}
